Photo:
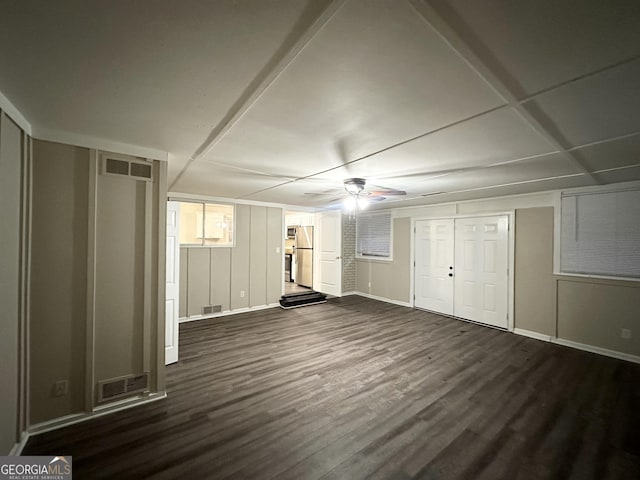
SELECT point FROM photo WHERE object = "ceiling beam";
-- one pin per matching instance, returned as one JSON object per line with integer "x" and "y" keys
{"x": 462, "y": 48}
{"x": 308, "y": 26}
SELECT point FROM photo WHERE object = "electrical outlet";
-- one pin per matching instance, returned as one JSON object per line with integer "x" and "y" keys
{"x": 60, "y": 388}
{"x": 369, "y": 284}
{"x": 241, "y": 293}
{"x": 625, "y": 333}
{"x": 277, "y": 249}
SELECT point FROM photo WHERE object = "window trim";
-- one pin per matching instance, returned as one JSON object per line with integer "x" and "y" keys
{"x": 232, "y": 244}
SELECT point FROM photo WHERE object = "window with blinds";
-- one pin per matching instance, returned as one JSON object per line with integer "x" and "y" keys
{"x": 373, "y": 235}
{"x": 600, "y": 233}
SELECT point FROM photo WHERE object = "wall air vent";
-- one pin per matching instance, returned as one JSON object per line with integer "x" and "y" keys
{"x": 135, "y": 170}
{"x": 117, "y": 167}
{"x": 140, "y": 170}
{"x": 128, "y": 385}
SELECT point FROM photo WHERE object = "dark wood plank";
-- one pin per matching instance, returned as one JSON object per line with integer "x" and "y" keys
{"x": 356, "y": 389}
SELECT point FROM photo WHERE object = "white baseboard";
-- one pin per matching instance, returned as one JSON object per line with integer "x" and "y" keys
{"x": 346, "y": 294}
{"x": 529, "y": 333}
{"x": 383, "y": 299}
{"x": 601, "y": 351}
{"x": 194, "y": 318}
{"x": 72, "y": 419}
{"x": 578, "y": 346}
{"x": 16, "y": 451}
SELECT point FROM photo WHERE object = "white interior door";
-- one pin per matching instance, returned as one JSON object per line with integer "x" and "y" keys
{"x": 434, "y": 259}
{"x": 172, "y": 288}
{"x": 481, "y": 269}
{"x": 329, "y": 252}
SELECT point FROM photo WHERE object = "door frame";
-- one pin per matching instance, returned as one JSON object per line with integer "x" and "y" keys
{"x": 510, "y": 214}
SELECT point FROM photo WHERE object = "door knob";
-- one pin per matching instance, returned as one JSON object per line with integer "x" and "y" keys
{"x": 451, "y": 274}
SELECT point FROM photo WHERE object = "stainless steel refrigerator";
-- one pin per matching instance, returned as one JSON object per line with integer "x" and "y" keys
{"x": 304, "y": 256}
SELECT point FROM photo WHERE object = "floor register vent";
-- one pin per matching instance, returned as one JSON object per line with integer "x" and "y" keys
{"x": 209, "y": 309}
{"x": 122, "y": 387}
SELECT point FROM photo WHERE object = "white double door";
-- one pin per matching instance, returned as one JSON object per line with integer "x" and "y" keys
{"x": 461, "y": 268}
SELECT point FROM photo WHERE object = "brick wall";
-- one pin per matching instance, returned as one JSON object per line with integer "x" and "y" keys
{"x": 348, "y": 253}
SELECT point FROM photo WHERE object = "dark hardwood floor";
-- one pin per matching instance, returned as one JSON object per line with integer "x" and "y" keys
{"x": 359, "y": 389}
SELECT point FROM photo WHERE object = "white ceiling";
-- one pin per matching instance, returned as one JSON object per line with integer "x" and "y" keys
{"x": 280, "y": 101}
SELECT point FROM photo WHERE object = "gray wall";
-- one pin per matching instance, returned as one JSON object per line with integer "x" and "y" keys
{"x": 10, "y": 254}
{"x": 389, "y": 279}
{"x": 593, "y": 312}
{"x": 535, "y": 285}
{"x": 58, "y": 278}
{"x": 218, "y": 275}
{"x": 582, "y": 310}
{"x": 130, "y": 231}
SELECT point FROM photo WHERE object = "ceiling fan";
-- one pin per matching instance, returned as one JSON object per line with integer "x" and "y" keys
{"x": 357, "y": 198}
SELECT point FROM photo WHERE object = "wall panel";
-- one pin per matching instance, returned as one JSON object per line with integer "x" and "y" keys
{"x": 535, "y": 285}
{"x": 220, "y": 275}
{"x": 258, "y": 256}
{"x": 253, "y": 266}
{"x": 198, "y": 280}
{"x": 120, "y": 277}
{"x": 10, "y": 203}
{"x": 240, "y": 259}
{"x": 58, "y": 278}
{"x": 275, "y": 255}
{"x": 184, "y": 282}
{"x": 594, "y": 312}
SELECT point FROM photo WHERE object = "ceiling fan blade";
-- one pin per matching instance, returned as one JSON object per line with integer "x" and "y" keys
{"x": 429, "y": 174}
{"x": 387, "y": 192}
{"x": 327, "y": 193}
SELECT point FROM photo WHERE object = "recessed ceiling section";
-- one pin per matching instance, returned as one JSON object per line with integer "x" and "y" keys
{"x": 205, "y": 179}
{"x": 374, "y": 76}
{"x": 537, "y": 44}
{"x": 532, "y": 186}
{"x": 620, "y": 175}
{"x": 305, "y": 193}
{"x": 614, "y": 154}
{"x": 550, "y": 166}
{"x": 496, "y": 137}
{"x": 597, "y": 108}
{"x": 155, "y": 74}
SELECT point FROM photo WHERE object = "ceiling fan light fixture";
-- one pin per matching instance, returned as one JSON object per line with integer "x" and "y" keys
{"x": 354, "y": 185}
{"x": 363, "y": 203}
{"x": 350, "y": 204}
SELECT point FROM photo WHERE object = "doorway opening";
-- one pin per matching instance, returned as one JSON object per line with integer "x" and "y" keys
{"x": 299, "y": 246}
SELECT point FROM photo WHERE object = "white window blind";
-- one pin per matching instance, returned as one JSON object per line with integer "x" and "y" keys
{"x": 373, "y": 235}
{"x": 600, "y": 233}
